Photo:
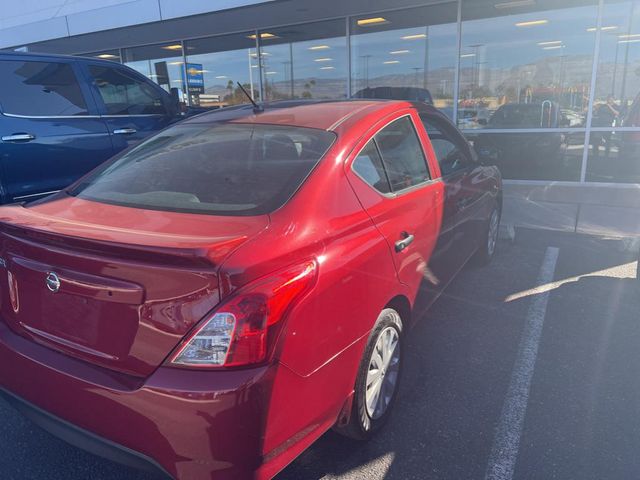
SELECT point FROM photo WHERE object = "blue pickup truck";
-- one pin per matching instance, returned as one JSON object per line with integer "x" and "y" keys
{"x": 61, "y": 116}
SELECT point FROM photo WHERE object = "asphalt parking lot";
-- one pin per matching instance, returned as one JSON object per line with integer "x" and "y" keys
{"x": 524, "y": 369}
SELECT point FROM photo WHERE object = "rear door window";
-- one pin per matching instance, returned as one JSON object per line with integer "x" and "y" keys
{"x": 368, "y": 166}
{"x": 402, "y": 154}
{"x": 220, "y": 169}
{"x": 40, "y": 89}
{"x": 123, "y": 94}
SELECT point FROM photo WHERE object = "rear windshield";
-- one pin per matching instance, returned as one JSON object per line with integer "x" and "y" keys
{"x": 219, "y": 169}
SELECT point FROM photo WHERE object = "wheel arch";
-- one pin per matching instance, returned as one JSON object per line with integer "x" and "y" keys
{"x": 401, "y": 304}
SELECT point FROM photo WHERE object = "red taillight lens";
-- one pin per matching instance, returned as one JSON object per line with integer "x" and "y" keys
{"x": 243, "y": 330}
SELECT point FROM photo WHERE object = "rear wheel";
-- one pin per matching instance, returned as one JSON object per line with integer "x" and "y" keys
{"x": 378, "y": 378}
{"x": 488, "y": 248}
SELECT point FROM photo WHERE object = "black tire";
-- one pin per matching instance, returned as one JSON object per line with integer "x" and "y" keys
{"x": 487, "y": 249}
{"x": 362, "y": 425}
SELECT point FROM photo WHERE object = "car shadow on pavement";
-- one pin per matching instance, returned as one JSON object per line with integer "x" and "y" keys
{"x": 583, "y": 419}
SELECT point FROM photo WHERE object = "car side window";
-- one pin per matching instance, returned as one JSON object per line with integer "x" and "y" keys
{"x": 124, "y": 94}
{"x": 40, "y": 89}
{"x": 450, "y": 151}
{"x": 402, "y": 154}
{"x": 368, "y": 166}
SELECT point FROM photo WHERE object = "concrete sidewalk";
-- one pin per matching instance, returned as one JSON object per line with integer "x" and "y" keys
{"x": 609, "y": 210}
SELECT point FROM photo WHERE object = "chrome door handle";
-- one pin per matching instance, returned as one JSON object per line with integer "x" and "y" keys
{"x": 19, "y": 137}
{"x": 124, "y": 131}
{"x": 405, "y": 242}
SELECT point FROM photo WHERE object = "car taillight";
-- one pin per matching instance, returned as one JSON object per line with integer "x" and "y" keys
{"x": 243, "y": 330}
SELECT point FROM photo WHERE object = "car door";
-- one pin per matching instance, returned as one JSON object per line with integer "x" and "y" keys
{"x": 131, "y": 105}
{"x": 465, "y": 195}
{"x": 392, "y": 179}
{"x": 50, "y": 130}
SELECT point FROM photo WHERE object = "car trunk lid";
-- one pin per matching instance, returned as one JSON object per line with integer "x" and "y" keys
{"x": 114, "y": 286}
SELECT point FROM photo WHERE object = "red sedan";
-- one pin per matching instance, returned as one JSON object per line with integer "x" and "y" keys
{"x": 210, "y": 302}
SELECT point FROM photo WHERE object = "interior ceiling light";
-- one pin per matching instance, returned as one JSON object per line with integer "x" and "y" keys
{"x": 222, "y": 76}
{"x": 553, "y": 47}
{"x": 604, "y": 29}
{"x": 554, "y": 42}
{"x": 271, "y": 73}
{"x": 629, "y": 41}
{"x": 399, "y": 52}
{"x": 630, "y": 35}
{"x": 515, "y": 4}
{"x": 264, "y": 36}
{"x": 173, "y": 47}
{"x": 323, "y": 59}
{"x": 390, "y": 62}
{"x": 327, "y": 68}
{"x": 319, "y": 47}
{"x": 414, "y": 37}
{"x": 366, "y": 22}
{"x": 467, "y": 55}
{"x": 107, "y": 55}
{"x": 532, "y": 23}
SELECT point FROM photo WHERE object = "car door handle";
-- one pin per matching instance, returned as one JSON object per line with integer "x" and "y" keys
{"x": 124, "y": 131}
{"x": 405, "y": 242}
{"x": 19, "y": 137}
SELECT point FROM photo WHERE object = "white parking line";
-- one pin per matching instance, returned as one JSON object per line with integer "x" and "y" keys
{"x": 504, "y": 452}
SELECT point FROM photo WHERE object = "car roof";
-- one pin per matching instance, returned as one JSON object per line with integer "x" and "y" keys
{"x": 324, "y": 115}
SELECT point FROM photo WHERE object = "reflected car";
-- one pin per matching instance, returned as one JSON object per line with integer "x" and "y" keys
{"x": 411, "y": 94}
{"x": 209, "y": 303}
{"x": 529, "y": 154}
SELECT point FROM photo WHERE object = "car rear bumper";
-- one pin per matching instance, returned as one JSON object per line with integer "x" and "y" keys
{"x": 177, "y": 423}
{"x": 84, "y": 439}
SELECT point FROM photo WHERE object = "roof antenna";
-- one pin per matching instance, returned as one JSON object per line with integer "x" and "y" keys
{"x": 257, "y": 108}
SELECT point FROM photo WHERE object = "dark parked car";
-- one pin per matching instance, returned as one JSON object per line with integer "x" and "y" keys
{"x": 61, "y": 116}
{"x": 215, "y": 299}
{"x": 411, "y": 94}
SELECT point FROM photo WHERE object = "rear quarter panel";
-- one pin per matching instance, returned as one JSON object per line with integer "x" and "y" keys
{"x": 325, "y": 334}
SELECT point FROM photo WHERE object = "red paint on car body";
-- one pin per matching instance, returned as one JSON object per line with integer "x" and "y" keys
{"x": 134, "y": 283}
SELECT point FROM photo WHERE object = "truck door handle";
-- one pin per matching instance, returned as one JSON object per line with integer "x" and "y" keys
{"x": 124, "y": 131}
{"x": 19, "y": 137}
{"x": 407, "y": 239}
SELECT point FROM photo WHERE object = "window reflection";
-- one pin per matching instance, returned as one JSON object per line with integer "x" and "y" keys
{"x": 113, "y": 55}
{"x": 614, "y": 156}
{"x": 617, "y": 96}
{"x": 216, "y": 65}
{"x": 532, "y": 156}
{"x": 406, "y": 54}
{"x": 161, "y": 63}
{"x": 305, "y": 61}
{"x": 525, "y": 66}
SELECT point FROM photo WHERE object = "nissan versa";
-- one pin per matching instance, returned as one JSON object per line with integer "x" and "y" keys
{"x": 210, "y": 302}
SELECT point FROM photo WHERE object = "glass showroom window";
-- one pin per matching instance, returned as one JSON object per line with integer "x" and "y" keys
{"x": 305, "y": 61}
{"x": 215, "y": 65}
{"x": 532, "y": 155}
{"x": 525, "y": 66}
{"x": 406, "y": 54}
{"x": 161, "y": 63}
{"x": 613, "y": 155}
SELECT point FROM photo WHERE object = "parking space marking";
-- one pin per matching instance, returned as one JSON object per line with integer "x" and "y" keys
{"x": 504, "y": 452}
